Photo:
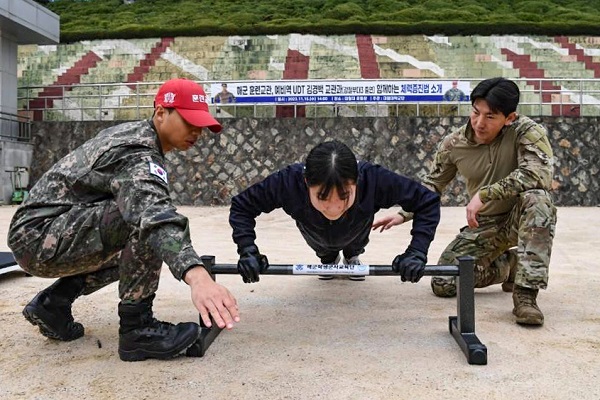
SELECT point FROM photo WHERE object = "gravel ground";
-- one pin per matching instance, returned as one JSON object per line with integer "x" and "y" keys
{"x": 301, "y": 338}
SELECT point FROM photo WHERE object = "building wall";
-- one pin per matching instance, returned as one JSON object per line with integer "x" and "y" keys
{"x": 221, "y": 165}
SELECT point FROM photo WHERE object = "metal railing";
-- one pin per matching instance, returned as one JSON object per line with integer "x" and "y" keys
{"x": 15, "y": 127}
{"x": 133, "y": 101}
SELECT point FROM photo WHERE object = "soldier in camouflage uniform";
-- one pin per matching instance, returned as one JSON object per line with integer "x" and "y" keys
{"x": 506, "y": 160}
{"x": 103, "y": 214}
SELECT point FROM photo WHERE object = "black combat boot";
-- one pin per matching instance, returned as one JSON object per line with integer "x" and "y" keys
{"x": 142, "y": 336}
{"x": 50, "y": 310}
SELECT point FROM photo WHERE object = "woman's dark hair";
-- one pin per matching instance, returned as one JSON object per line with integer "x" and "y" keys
{"x": 331, "y": 165}
{"x": 501, "y": 94}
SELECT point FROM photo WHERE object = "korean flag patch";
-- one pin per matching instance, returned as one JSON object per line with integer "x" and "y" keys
{"x": 159, "y": 171}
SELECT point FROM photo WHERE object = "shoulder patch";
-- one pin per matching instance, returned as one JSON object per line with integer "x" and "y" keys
{"x": 159, "y": 171}
{"x": 534, "y": 134}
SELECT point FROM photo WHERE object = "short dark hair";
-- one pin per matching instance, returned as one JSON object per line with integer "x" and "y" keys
{"x": 501, "y": 94}
{"x": 167, "y": 109}
{"x": 330, "y": 165}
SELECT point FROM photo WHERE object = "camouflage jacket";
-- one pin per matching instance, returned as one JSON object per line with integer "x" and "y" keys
{"x": 519, "y": 159}
{"x": 124, "y": 163}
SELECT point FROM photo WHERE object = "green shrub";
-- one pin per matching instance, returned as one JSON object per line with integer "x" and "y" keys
{"x": 530, "y": 17}
{"x": 452, "y": 15}
{"x": 478, "y": 11}
{"x": 533, "y": 7}
{"x": 384, "y": 7}
{"x": 89, "y": 19}
{"x": 436, "y": 5}
{"x": 344, "y": 11}
{"x": 414, "y": 14}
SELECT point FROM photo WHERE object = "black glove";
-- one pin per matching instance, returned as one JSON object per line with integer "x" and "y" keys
{"x": 410, "y": 265}
{"x": 251, "y": 264}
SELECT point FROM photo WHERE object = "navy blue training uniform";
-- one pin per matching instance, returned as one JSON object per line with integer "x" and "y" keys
{"x": 377, "y": 188}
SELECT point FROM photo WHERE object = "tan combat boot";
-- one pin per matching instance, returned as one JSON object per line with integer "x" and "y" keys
{"x": 513, "y": 260}
{"x": 526, "y": 309}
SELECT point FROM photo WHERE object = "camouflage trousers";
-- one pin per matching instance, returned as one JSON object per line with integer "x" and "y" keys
{"x": 91, "y": 240}
{"x": 529, "y": 226}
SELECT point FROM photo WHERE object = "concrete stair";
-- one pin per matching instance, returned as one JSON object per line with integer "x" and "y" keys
{"x": 529, "y": 69}
{"x": 64, "y": 82}
{"x": 296, "y": 67}
{"x": 369, "y": 68}
{"x": 146, "y": 63}
{"x": 579, "y": 53}
{"x": 574, "y": 60}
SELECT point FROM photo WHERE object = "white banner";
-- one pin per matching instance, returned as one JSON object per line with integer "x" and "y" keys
{"x": 330, "y": 269}
{"x": 358, "y": 91}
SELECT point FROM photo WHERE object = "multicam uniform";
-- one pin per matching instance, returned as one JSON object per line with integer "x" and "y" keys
{"x": 512, "y": 175}
{"x": 104, "y": 212}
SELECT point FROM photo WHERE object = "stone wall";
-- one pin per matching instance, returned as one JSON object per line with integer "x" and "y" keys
{"x": 247, "y": 150}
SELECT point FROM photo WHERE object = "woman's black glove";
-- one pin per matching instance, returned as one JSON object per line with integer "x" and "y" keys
{"x": 251, "y": 264}
{"x": 410, "y": 265}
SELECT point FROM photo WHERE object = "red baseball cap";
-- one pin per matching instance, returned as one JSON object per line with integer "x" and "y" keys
{"x": 190, "y": 101}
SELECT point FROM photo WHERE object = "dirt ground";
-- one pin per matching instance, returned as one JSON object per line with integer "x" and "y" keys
{"x": 301, "y": 338}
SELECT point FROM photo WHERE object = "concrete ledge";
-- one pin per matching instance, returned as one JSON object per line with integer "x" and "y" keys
{"x": 28, "y": 22}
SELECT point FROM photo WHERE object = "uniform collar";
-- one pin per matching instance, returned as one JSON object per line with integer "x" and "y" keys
{"x": 151, "y": 122}
{"x": 470, "y": 135}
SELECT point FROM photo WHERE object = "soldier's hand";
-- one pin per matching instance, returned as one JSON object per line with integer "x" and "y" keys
{"x": 410, "y": 265}
{"x": 251, "y": 264}
{"x": 211, "y": 299}
{"x": 473, "y": 211}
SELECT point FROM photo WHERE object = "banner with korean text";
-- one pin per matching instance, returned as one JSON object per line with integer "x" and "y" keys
{"x": 347, "y": 91}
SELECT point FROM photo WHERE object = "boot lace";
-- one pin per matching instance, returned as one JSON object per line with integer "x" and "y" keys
{"x": 160, "y": 327}
{"x": 526, "y": 298}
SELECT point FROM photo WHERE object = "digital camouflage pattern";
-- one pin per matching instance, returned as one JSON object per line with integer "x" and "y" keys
{"x": 513, "y": 175}
{"x": 104, "y": 211}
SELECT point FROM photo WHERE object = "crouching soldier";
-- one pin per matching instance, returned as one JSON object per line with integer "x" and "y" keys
{"x": 506, "y": 161}
{"x": 103, "y": 214}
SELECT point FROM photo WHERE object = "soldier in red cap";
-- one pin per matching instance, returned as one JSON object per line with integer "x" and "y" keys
{"x": 103, "y": 214}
